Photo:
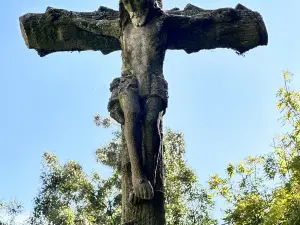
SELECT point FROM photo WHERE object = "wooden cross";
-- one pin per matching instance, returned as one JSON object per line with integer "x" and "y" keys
{"x": 143, "y": 32}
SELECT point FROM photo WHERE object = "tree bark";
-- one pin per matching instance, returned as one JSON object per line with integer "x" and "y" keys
{"x": 46, "y": 36}
{"x": 194, "y": 29}
{"x": 148, "y": 212}
{"x": 191, "y": 29}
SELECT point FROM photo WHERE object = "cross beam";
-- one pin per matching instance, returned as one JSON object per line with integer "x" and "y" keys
{"x": 191, "y": 29}
{"x": 47, "y": 35}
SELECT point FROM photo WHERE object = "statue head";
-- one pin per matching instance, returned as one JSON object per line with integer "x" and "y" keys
{"x": 138, "y": 10}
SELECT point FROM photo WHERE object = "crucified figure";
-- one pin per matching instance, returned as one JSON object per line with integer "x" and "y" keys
{"x": 142, "y": 92}
{"x": 139, "y": 98}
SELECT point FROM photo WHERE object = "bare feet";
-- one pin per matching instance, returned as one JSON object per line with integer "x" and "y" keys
{"x": 134, "y": 200}
{"x": 143, "y": 189}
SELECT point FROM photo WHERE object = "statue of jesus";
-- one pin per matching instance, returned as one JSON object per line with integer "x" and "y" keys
{"x": 140, "y": 96}
{"x": 143, "y": 32}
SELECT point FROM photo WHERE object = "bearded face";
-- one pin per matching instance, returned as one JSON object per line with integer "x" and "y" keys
{"x": 138, "y": 10}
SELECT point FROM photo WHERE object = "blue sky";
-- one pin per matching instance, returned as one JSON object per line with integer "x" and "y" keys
{"x": 225, "y": 104}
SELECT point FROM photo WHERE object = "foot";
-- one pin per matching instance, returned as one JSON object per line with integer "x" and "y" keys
{"x": 134, "y": 200}
{"x": 143, "y": 189}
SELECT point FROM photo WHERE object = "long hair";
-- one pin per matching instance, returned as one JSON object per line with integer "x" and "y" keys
{"x": 124, "y": 15}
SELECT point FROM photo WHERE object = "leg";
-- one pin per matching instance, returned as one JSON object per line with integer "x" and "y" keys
{"x": 152, "y": 137}
{"x": 129, "y": 102}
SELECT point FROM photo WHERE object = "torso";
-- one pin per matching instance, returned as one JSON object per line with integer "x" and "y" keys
{"x": 143, "y": 52}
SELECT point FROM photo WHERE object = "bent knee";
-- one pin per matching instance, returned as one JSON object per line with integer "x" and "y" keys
{"x": 129, "y": 103}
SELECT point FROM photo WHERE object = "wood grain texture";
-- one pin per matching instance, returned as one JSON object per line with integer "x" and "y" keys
{"x": 46, "y": 36}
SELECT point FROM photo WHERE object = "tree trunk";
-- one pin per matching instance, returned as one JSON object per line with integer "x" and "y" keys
{"x": 148, "y": 212}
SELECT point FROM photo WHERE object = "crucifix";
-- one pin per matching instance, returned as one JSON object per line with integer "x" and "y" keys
{"x": 143, "y": 32}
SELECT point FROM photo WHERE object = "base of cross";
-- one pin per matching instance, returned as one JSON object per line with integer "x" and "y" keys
{"x": 150, "y": 212}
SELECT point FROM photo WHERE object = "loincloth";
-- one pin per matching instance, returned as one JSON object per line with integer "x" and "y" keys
{"x": 121, "y": 85}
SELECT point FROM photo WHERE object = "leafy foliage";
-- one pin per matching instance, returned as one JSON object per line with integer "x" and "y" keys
{"x": 69, "y": 196}
{"x": 260, "y": 190}
{"x": 9, "y": 211}
{"x": 265, "y": 190}
{"x": 186, "y": 202}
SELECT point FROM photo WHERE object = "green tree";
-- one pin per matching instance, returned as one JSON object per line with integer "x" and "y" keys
{"x": 69, "y": 196}
{"x": 9, "y": 211}
{"x": 265, "y": 190}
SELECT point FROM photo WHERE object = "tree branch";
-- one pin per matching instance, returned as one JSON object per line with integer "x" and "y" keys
{"x": 57, "y": 30}
{"x": 194, "y": 29}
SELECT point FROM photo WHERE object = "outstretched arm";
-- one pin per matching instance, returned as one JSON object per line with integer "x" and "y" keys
{"x": 194, "y": 29}
{"x": 61, "y": 30}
